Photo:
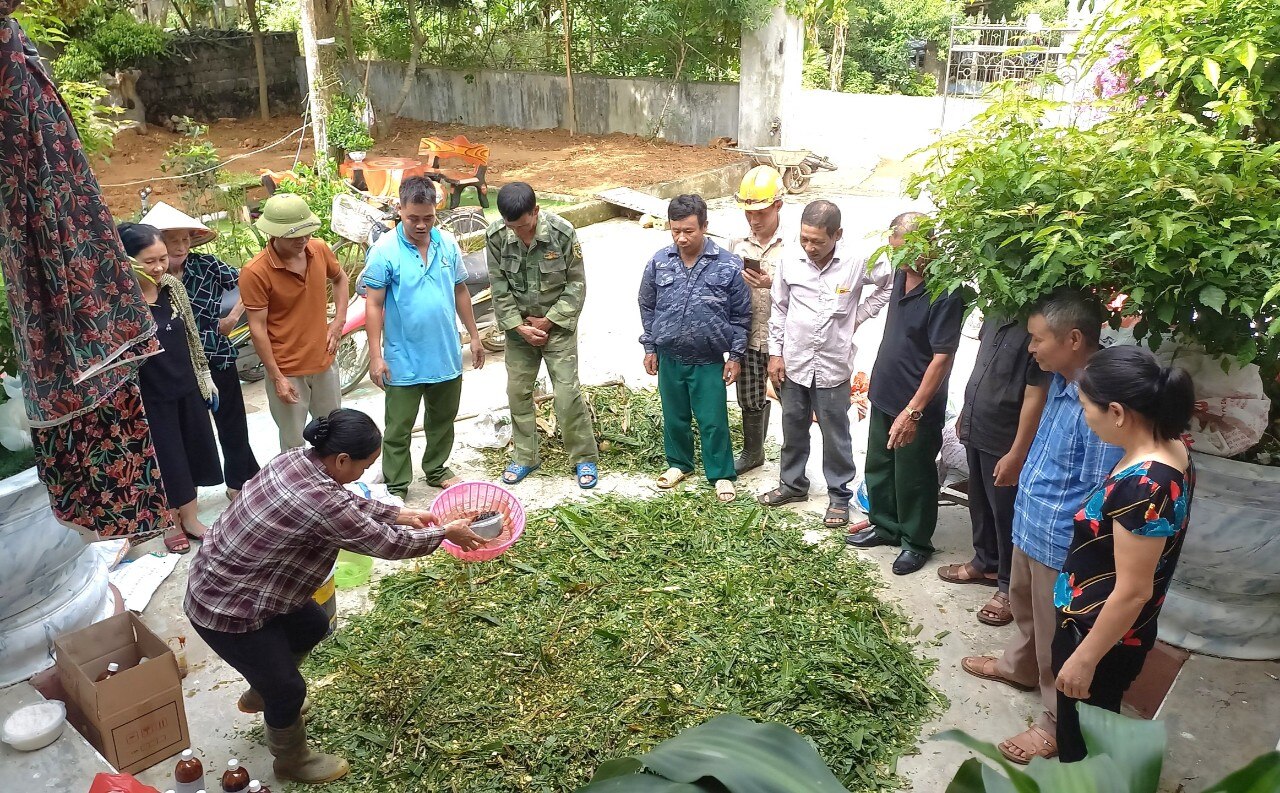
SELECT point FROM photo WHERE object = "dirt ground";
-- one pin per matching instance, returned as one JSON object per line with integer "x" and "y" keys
{"x": 550, "y": 160}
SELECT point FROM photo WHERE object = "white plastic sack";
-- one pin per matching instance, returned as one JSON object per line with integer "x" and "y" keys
{"x": 1231, "y": 407}
{"x": 492, "y": 430}
{"x": 376, "y": 492}
{"x": 15, "y": 430}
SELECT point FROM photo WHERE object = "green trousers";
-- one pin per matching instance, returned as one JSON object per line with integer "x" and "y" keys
{"x": 695, "y": 392}
{"x": 902, "y": 484}
{"x": 402, "y": 405}
{"x": 560, "y": 354}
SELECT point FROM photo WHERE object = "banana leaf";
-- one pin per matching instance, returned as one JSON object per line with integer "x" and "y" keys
{"x": 1260, "y": 776}
{"x": 1136, "y": 746}
{"x": 739, "y": 754}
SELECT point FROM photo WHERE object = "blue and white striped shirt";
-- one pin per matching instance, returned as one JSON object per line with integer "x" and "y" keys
{"x": 1066, "y": 462}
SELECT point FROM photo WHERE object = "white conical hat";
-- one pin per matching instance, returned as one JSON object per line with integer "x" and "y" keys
{"x": 167, "y": 218}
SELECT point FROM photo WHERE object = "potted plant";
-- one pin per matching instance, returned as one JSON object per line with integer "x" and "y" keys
{"x": 346, "y": 127}
{"x": 1168, "y": 193}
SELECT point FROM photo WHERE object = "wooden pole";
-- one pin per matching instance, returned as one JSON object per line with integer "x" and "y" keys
{"x": 568, "y": 66}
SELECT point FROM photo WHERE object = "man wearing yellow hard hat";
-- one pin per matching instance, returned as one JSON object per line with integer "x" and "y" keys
{"x": 760, "y": 196}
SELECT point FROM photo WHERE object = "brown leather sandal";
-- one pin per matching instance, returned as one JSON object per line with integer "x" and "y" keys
{"x": 965, "y": 574}
{"x": 984, "y": 666}
{"x": 997, "y": 612}
{"x": 1031, "y": 743}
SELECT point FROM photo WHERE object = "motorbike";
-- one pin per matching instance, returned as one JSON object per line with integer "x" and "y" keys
{"x": 352, "y": 358}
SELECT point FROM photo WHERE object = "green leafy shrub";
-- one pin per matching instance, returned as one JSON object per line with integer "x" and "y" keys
{"x": 95, "y": 123}
{"x": 1218, "y": 62}
{"x": 123, "y": 42}
{"x": 78, "y": 63}
{"x": 195, "y": 160}
{"x": 346, "y": 127}
{"x": 1184, "y": 222}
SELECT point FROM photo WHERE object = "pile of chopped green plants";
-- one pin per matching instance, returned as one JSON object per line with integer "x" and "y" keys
{"x": 609, "y": 627}
{"x": 628, "y": 425}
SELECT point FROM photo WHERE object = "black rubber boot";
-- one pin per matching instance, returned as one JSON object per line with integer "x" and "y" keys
{"x": 755, "y": 425}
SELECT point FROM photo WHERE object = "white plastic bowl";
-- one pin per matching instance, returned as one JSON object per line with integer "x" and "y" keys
{"x": 35, "y": 726}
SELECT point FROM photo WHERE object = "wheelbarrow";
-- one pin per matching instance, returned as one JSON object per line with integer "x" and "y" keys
{"x": 797, "y": 166}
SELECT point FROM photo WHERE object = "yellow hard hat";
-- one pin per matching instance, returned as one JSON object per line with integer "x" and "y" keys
{"x": 760, "y": 188}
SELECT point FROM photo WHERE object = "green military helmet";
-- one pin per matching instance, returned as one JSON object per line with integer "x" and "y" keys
{"x": 287, "y": 215}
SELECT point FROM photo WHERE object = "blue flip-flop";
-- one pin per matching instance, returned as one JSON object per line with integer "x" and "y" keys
{"x": 587, "y": 469}
{"x": 519, "y": 472}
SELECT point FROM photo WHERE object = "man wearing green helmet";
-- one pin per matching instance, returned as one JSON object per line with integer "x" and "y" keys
{"x": 285, "y": 294}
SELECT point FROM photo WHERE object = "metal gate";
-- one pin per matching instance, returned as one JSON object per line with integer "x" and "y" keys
{"x": 982, "y": 55}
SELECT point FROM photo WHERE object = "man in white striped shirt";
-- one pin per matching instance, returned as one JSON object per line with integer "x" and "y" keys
{"x": 817, "y": 305}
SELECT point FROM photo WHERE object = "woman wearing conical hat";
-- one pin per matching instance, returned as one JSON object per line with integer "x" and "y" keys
{"x": 207, "y": 279}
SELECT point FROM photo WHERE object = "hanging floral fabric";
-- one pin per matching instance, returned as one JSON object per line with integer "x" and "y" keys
{"x": 80, "y": 323}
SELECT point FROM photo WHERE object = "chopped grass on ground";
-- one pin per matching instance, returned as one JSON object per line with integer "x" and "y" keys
{"x": 628, "y": 424}
{"x": 611, "y": 626}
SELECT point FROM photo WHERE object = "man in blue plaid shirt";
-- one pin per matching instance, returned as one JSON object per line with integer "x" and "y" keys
{"x": 1067, "y": 461}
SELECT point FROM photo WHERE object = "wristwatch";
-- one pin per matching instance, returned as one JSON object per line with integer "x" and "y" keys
{"x": 913, "y": 414}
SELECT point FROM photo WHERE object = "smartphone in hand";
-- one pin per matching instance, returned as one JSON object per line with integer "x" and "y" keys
{"x": 752, "y": 264}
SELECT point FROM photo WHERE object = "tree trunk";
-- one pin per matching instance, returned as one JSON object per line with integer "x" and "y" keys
{"x": 568, "y": 66}
{"x": 259, "y": 55}
{"x": 324, "y": 76}
{"x": 388, "y": 119}
{"x": 837, "y": 54}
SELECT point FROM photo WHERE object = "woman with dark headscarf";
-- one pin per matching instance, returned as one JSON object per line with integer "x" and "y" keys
{"x": 177, "y": 390}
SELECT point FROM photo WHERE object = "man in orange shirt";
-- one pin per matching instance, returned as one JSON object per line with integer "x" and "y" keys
{"x": 284, "y": 290}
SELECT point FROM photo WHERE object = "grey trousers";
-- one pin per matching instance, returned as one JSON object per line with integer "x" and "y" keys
{"x": 799, "y": 404}
{"x": 318, "y": 395}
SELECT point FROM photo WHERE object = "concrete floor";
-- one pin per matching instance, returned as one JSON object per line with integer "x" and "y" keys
{"x": 615, "y": 252}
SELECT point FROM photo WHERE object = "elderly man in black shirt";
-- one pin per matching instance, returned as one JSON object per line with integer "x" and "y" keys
{"x": 908, "y": 407}
{"x": 1002, "y": 405}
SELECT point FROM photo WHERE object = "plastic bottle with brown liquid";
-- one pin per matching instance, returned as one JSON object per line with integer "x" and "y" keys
{"x": 188, "y": 774}
{"x": 257, "y": 787}
{"x": 113, "y": 669}
{"x": 235, "y": 778}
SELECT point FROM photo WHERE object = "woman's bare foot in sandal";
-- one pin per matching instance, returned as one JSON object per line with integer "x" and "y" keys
{"x": 1035, "y": 741}
{"x": 987, "y": 668}
{"x": 190, "y": 521}
{"x": 175, "y": 541}
{"x": 997, "y": 612}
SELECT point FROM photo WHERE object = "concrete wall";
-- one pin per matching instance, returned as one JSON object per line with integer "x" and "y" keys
{"x": 209, "y": 79}
{"x": 860, "y": 130}
{"x": 697, "y": 113}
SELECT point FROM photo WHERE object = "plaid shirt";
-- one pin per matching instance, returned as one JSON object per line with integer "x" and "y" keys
{"x": 1066, "y": 462}
{"x": 206, "y": 278}
{"x": 274, "y": 547}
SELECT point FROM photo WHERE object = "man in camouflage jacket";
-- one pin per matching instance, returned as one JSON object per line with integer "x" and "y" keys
{"x": 539, "y": 283}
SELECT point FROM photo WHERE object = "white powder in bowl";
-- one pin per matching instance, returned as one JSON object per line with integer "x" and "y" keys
{"x": 34, "y": 726}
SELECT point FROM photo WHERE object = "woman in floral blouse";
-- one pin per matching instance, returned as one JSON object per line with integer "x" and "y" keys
{"x": 177, "y": 391}
{"x": 1127, "y": 536}
{"x": 207, "y": 279}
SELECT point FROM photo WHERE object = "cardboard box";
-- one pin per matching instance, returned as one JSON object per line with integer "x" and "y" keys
{"x": 135, "y": 718}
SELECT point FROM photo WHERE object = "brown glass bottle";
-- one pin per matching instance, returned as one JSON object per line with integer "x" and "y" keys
{"x": 235, "y": 778}
{"x": 113, "y": 669}
{"x": 189, "y": 773}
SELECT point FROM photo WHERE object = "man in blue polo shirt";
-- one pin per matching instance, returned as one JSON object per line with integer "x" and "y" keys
{"x": 416, "y": 285}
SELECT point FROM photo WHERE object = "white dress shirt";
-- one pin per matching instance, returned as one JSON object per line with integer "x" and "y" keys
{"x": 815, "y": 312}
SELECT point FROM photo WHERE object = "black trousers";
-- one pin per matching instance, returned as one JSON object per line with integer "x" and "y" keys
{"x": 268, "y": 659}
{"x": 991, "y": 512}
{"x": 1116, "y": 672}
{"x": 238, "y": 463}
